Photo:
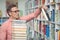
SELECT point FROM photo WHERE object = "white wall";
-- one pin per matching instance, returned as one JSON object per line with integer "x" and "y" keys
{"x": 3, "y": 7}
{"x": 21, "y": 5}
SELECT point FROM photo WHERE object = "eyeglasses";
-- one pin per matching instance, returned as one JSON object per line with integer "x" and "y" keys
{"x": 15, "y": 11}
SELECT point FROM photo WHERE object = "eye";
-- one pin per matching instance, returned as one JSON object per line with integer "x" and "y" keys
{"x": 17, "y": 11}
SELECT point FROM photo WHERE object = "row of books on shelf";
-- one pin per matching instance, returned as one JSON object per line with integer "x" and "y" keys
{"x": 37, "y": 3}
{"x": 2, "y": 20}
{"x": 46, "y": 30}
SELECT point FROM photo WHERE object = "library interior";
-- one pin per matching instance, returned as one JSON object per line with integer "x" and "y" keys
{"x": 46, "y": 26}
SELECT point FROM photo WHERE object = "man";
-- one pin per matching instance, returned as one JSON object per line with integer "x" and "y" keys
{"x": 13, "y": 12}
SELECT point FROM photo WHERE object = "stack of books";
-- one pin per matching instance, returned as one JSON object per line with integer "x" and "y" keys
{"x": 19, "y": 30}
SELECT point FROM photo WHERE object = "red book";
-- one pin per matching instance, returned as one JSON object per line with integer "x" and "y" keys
{"x": 44, "y": 29}
{"x": 40, "y": 26}
{"x": 43, "y": 1}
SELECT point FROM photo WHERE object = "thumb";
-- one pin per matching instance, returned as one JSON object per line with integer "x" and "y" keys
{"x": 45, "y": 7}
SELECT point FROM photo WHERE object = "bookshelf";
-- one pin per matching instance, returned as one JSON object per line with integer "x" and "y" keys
{"x": 2, "y": 20}
{"x": 48, "y": 22}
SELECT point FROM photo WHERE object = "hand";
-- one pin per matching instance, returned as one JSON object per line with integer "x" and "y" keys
{"x": 44, "y": 7}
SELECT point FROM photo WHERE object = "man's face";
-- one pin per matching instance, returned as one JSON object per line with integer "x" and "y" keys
{"x": 14, "y": 12}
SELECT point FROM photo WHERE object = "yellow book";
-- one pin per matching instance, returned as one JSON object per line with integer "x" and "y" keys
{"x": 59, "y": 35}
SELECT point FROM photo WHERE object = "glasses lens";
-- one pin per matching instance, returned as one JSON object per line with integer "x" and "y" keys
{"x": 15, "y": 11}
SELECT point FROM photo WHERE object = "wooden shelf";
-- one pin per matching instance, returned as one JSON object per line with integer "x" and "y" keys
{"x": 48, "y": 21}
{"x": 52, "y": 3}
{"x": 4, "y": 17}
{"x": 58, "y": 3}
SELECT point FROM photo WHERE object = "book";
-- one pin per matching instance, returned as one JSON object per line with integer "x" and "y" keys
{"x": 59, "y": 35}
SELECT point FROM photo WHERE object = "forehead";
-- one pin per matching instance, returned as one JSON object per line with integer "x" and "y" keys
{"x": 14, "y": 8}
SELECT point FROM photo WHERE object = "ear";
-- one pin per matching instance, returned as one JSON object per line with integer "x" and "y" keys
{"x": 10, "y": 13}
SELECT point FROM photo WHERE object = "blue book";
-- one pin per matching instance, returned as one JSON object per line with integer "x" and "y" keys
{"x": 53, "y": 15}
{"x": 47, "y": 30}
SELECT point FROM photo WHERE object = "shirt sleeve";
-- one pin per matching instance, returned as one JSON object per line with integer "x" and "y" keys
{"x": 2, "y": 32}
{"x": 31, "y": 15}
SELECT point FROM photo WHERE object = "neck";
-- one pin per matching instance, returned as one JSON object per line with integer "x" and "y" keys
{"x": 14, "y": 18}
